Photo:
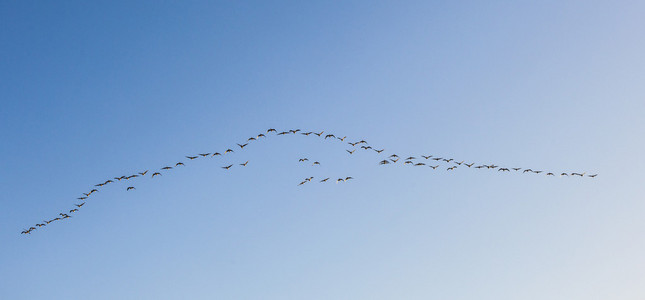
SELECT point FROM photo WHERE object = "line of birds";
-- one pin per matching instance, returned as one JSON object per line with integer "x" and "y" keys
{"x": 392, "y": 159}
{"x": 362, "y": 145}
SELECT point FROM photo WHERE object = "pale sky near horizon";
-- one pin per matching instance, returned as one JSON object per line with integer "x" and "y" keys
{"x": 90, "y": 91}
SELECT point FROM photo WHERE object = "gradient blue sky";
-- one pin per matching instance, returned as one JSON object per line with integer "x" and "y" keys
{"x": 89, "y": 91}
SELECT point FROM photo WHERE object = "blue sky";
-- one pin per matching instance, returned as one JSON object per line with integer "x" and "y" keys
{"x": 90, "y": 91}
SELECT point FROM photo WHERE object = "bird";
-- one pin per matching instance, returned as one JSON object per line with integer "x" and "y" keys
{"x": 79, "y": 205}
{"x": 227, "y": 167}
{"x": 348, "y": 178}
{"x": 315, "y": 163}
{"x": 283, "y": 133}
{"x": 242, "y": 146}
{"x": 459, "y": 163}
{"x": 303, "y": 159}
{"x": 166, "y": 168}
{"x": 244, "y": 164}
{"x": 143, "y": 173}
{"x": 350, "y": 152}
{"x": 353, "y": 144}
{"x": 271, "y": 129}
{"x": 469, "y": 165}
{"x": 419, "y": 164}
{"x": 434, "y": 167}
{"x": 228, "y": 150}
{"x": 437, "y": 158}
{"x": 426, "y": 157}
{"x": 451, "y": 168}
{"x": 81, "y": 198}
{"x": 378, "y": 151}
{"x": 564, "y": 174}
{"x": 261, "y": 135}
{"x": 366, "y": 147}
{"x": 130, "y": 188}
{"x": 384, "y": 162}
{"x": 577, "y": 174}
{"x": 73, "y": 210}
{"x": 394, "y": 160}
{"x": 251, "y": 139}
{"x": 329, "y": 136}
{"x": 191, "y": 157}
{"x": 503, "y": 169}
{"x": 342, "y": 139}
{"x": 339, "y": 180}
{"x": 550, "y": 174}
{"x": 179, "y": 164}
{"x": 155, "y": 174}
{"x": 325, "y": 179}
{"x": 393, "y": 155}
{"x": 411, "y": 158}
{"x": 216, "y": 153}
{"x": 294, "y": 131}
{"x": 592, "y": 176}
{"x": 516, "y": 169}
{"x": 204, "y": 154}
{"x": 319, "y": 134}
{"x": 132, "y": 176}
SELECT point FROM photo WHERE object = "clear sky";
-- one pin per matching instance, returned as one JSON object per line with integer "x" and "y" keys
{"x": 91, "y": 90}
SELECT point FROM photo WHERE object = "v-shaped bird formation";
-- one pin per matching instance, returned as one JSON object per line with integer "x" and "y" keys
{"x": 429, "y": 161}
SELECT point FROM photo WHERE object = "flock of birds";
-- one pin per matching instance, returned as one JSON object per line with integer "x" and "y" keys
{"x": 430, "y": 161}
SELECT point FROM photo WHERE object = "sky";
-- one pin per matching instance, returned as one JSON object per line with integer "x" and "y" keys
{"x": 90, "y": 91}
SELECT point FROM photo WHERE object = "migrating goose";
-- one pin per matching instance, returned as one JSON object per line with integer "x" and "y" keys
{"x": 227, "y": 167}
{"x": 244, "y": 164}
{"x": 155, "y": 174}
{"x": 130, "y": 188}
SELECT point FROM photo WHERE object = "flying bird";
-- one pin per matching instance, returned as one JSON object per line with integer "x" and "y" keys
{"x": 325, "y": 179}
{"x": 130, "y": 188}
{"x": 179, "y": 164}
{"x": 228, "y": 150}
{"x": 79, "y": 205}
{"x": 143, "y": 173}
{"x": 166, "y": 168}
{"x": 204, "y": 154}
{"x": 242, "y": 146}
{"x": 155, "y": 174}
{"x": 244, "y": 164}
{"x": 315, "y": 163}
{"x": 350, "y": 152}
{"x": 303, "y": 159}
{"x": 191, "y": 157}
{"x": 227, "y": 167}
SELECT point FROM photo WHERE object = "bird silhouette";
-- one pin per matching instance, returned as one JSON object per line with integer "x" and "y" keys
{"x": 227, "y": 167}
{"x": 244, "y": 164}
{"x": 242, "y": 146}
{"x": 155, "y": 174}
{"x": 130, "y": 188}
